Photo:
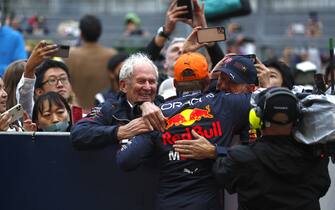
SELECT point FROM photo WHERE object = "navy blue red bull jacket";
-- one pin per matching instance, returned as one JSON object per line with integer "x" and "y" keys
{"x": 99, "y": 128}
{"x": 188, "y": 184}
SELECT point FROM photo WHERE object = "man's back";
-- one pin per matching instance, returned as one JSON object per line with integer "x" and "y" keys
{"x": 186, "y": 183}
{"x": 274, "y": 173}
{"x": 87, "y": 67}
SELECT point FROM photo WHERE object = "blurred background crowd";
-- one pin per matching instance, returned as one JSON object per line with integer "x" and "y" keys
{"x": 294, "y": 30}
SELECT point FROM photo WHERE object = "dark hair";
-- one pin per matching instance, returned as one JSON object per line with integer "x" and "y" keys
{"x": 90, "y": 27}
{"x": 11, "y": 79}
{"x": 52, "y": 98}
{"x": 44, "y": 67}
{"x": 116, "y": 60}
{"x": 285, "y": 71}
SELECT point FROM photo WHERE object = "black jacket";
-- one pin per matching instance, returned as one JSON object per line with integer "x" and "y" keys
{"x": 274, "y": 173}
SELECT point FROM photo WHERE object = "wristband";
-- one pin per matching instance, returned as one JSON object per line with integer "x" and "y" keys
{"x": 161, "y": 32}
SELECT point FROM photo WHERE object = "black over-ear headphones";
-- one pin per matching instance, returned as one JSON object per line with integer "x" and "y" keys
{"x": 256, "y": 115}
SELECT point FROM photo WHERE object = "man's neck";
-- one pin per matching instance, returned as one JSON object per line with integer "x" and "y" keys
{"x": 89, "y": 44}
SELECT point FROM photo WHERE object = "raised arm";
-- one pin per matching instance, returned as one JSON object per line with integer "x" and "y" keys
{"x": 25, "y": 87}
{"x": 155, "y": 46}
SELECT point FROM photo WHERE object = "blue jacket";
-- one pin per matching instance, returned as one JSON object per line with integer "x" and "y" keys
{"x": 12, "y": 47}
{"x": 100, "y": 127}
{"x": 188, "y": 184}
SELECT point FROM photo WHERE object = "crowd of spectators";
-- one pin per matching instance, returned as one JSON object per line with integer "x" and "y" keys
{"x": 188, "y": 112}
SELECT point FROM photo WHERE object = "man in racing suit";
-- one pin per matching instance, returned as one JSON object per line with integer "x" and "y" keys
{"x": 184, "y": 183}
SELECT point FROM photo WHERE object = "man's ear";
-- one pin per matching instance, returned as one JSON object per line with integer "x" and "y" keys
{"x": 39, "y": 91}
{"x": 123, "y": 86}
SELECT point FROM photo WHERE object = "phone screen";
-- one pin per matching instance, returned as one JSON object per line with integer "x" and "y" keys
{"x": 187, "y": 3}
{"x": 63, "y": 51}
{"x": 211, "y": 34}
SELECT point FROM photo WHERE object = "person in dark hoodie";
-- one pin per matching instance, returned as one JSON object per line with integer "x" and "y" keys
{"x": 275, "y": 172}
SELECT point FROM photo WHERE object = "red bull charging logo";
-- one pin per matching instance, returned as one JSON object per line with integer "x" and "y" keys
{"x": 188, "y": 117}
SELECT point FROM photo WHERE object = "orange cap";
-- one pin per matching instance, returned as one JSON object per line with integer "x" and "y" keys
{"x": 190, "y": 66}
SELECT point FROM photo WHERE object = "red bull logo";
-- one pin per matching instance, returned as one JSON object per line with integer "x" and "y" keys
{"x": 208, "y": 132}
{"x": 188, "y": 117}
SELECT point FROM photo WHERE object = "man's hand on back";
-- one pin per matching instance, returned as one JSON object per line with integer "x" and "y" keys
{"x": 199, "y": 148}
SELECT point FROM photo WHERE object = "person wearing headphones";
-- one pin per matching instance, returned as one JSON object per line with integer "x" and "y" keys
{"x": 274, "y": 172}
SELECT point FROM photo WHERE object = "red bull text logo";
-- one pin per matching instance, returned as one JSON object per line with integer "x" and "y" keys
{"x": 188, "y": 117}
{"x": 208, "y": 132}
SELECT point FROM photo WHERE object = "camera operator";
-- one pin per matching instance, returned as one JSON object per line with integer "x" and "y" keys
{"x": 275, "y": 172}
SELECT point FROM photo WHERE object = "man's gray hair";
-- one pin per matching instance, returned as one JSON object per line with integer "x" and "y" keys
{"x": 127, "y": 68}
{"x": 174, "y": 41}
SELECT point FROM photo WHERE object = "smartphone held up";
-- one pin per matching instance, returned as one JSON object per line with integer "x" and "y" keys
{"x": 63, "y": 51}
{"x": 16, "y": 112}
{"x": 188, "y": 3}
{"x": 213, "y": 34}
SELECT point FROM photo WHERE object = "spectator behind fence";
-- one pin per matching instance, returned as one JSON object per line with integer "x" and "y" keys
{"x": 52, "y": 113}
{"x": 12, "y": 47}
{"x": 87, "y": 63}
{"x": 118, "y": 118}
{"x": 25, "y": 87}
{"x": 275, "y": 171}
{"x": 215, "y": 115}
{"x": 113, "y": 67}
{"x": 5, "y": 118}
{"x": 53, "y": 76}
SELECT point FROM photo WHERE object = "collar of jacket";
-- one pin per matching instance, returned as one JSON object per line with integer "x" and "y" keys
{"x": 122, "y": 110}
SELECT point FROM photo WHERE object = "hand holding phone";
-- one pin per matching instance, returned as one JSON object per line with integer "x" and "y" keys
{"x": 188, "y": 3}
{"x": 214, "y": 34}
{"x": 16, "y": 112}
